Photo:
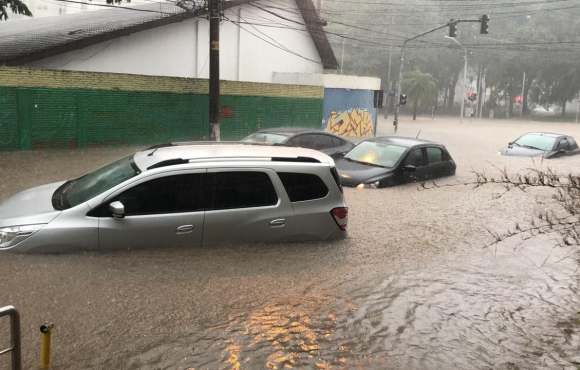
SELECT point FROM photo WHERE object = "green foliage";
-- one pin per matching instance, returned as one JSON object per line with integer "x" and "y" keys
{"x": 420, "y": 87}
{"x": 15, "y": 6}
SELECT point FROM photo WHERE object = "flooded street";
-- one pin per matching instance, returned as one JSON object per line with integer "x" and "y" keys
{"x": 413, "y": 287}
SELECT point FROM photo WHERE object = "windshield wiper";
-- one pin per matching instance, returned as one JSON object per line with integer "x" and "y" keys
{"x": 365, "y": 163}
{"x": 531, "y": 147}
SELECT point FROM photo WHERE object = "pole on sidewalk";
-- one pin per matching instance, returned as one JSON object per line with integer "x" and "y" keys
{"x": 523, "y": 98}
{"x": 342, "y": 56}
{"x": 214, "y": 69}
{"x": 398, "y": 94}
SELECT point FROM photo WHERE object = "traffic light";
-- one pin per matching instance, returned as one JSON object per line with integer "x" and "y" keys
{"x": 452, "y": 28}
{"x": 484, "y": 24}
{"x": 403, "y": 99}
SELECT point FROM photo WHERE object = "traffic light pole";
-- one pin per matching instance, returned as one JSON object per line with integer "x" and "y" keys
{"x": 451, "y": 23}
{"x": 402, "y": 66}
{"x": 214, "y": 69}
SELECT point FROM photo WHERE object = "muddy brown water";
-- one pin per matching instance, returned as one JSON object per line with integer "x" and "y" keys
{"x": 412, "y": 288}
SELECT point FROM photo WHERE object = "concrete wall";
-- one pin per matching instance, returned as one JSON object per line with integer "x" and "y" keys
{"x": 42, "y": 108}
{"x": 249, "y": 52}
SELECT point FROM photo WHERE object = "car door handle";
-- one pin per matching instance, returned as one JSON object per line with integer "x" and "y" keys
{"x": 279, "y": 222}
{"x": 184, "y": 229}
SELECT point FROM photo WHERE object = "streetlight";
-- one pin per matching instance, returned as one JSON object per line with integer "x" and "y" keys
{"x": 464, "y": 92}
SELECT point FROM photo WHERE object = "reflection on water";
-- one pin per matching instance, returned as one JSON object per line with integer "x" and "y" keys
{"x": 508, "y": 310}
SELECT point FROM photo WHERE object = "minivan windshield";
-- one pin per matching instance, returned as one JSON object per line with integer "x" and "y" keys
{"x": 94, "y": 183}
{"x": 376, "y": 153}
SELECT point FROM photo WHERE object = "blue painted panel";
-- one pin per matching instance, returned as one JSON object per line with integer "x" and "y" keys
{"x": 349, "y": 112}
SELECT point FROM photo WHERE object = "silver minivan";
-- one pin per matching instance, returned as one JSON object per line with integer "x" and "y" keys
{"x": 182, "y": 194}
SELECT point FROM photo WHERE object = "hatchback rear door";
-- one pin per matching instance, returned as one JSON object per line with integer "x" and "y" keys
{"x": 437, "y": 163}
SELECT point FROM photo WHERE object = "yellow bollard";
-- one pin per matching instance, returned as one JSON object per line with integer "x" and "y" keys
{"x": 45, "y": 332}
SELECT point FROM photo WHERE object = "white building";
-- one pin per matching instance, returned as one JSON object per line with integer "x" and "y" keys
{"x": 257, "y": 41}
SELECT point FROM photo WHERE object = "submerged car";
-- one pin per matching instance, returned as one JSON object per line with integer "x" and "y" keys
{"x": 393, "y": 160}
{"x": 182, "y": 195}
{"x": 330, "y": 144}
{"x": 541, "y": 144}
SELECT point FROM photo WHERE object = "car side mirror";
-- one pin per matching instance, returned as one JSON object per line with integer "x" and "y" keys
{"x": 117, "y": 209}
{"x": 409, "y": 168}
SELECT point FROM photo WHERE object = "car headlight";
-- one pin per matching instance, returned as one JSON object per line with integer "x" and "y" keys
{"x": 10, "y": 236}
{"x": 369, "y": 185}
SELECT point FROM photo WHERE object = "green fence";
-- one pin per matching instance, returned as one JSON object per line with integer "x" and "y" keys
{"x": 36, "y": 117}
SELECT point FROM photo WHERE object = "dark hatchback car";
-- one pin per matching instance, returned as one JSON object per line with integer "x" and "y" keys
{"x": 545, "y": 144}
{"x": 393, "y": 160}
{"x": 330, "y": 144}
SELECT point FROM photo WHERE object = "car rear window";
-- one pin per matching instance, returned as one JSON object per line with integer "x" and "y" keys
{"x": 243, "y": 189}
{"x": 303, "y": 186}
{"x": 434, "y": 155}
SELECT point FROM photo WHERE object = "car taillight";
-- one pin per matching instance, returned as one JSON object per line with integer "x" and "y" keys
{"x": 340, "y": 215}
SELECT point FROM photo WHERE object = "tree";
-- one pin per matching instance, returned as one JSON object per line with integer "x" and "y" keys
{"x": 420, "y": 87}
{"x": 15, "y": 6}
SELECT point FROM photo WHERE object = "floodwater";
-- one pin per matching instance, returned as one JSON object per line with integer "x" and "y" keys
{"x": 413, "y": 287}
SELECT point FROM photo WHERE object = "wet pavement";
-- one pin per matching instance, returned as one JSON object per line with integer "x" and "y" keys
{"x": 412, "y": 288}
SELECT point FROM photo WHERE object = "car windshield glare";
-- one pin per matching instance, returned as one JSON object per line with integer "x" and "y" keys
{"x": 376, "y": 153}
{"x": 103, "y": 179}
{"x": 266, "y": 138}
{"x": 542, "y": 142}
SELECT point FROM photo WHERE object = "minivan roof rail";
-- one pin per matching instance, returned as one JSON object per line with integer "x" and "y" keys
{"x": 177, "y": 161}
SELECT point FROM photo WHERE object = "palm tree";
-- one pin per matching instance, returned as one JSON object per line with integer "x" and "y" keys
{"x": 15, "y": 6}
{"x": 420, "y": 88}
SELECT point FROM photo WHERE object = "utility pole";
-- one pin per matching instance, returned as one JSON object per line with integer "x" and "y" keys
{"x": 388, "y": 84}
{"x": 464, "y": 90}
{"x": 523, "y": 98}
{"x": 483, "y": 92}
{"x": 578, "y": 109}
{"x": 452, "y": 28}
{"x": 214, "y": 69}
{"x": 342, "y": 56}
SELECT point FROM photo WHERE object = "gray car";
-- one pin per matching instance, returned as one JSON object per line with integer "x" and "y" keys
{"x": 541, "y": 144}
{"x": 182, "y": 195}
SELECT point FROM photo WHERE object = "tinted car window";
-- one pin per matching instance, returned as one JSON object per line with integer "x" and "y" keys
{"x": 434, "y": 155}
{"x": 265, "y": 137}
{"x": 563, "y": 144}
{"x": 304, "y": 141}
{"x": 172, "y": 194}
{"x": 572, "y": 143}
{"x": 323, "y": 141}
{"x": 415, "y": 158}
{"x": 242, "y": 189}
{"x": 338, "y": 141}
{"x": 303, "y": 186}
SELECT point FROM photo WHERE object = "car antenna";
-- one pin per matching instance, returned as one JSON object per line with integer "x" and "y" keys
{"x": 418, "y": 133}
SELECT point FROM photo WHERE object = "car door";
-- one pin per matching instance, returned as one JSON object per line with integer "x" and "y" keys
{"x": 413, "y": 167}
{"x": 437, "y": 166}
{"x": 562, "y": 147}
{"x": 245, "y": 205}
{"x": 160, "y": 211}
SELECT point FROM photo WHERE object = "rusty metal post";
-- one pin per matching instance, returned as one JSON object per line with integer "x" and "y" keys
{"x": 14, "y": 349}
